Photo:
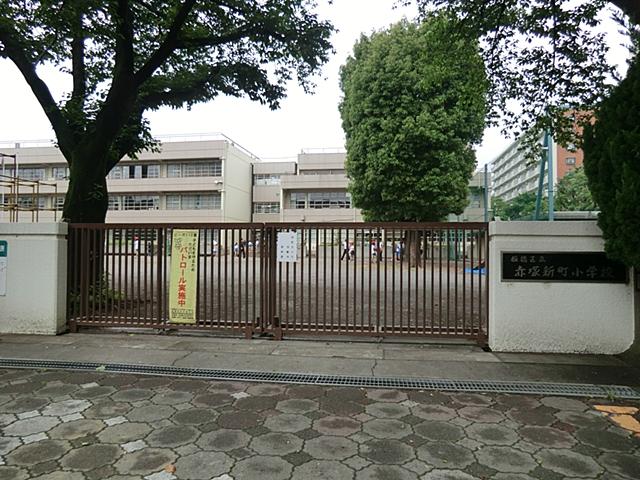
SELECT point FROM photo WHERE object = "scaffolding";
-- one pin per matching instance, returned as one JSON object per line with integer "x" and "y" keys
{"x": 20, "y": 195}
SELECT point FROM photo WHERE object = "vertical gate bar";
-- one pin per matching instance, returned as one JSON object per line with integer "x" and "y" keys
{"x": 302, "y": 278}
{"x": 362, "y": 249}
{"x": 340, "y": 276}
{"x": 257, "y": 244}
{"x": 128, "y": 248}
{"x": 138, "y": 276}
{"x": 355, "y": 280}
{"x": 385, "y": 238}
{"x": 286, "y": 293}
{"x": 371, "y": 246}
{"x": 85, "y": 274}
{"x": 317, "y": 302}
{"x": 416, "y": 282}
{"x": 152, "y": 273}
{"x": 247, "y": 264}
{"x": 224, "y": 319}
{"x": 346, "y": 282}
{"x": 159, "y": 289}
{"x": 425, "y": 253}
{"x": 432, "y": 321}
{"x": 479, "y": 335}
{"x": 221, "y": 251}
{"x": 280, "y": 285}
{"x": 409, "y": 258}
{"x": 455, "y": 294}
{"x": 121, "y": 296}
{"x": 76, "y": 255}
{"x": 417, "y": 277}
{"x": 487, "y": 324}
{"x": 332, "y": 264}
{"x": 472, "y": 302}
{"x": 242, "y": 255}
{"x": 95, "y": 273}
{"x": 403, "y": 247}
{"x": 448, "y": 282}
{"x": 464, "y": 279}
{"x": 440, "y": 235}
{"x": 324, "y": 279}
{"x": 202, "y": 277}
{"x": 309, "y": 285}
{"x": 147, "y": 266}
{"x": 272, "y": 269}
{"x": 379, "y": 258}
{"x": 295, "y": 290}
{"x": 393, "y": 280}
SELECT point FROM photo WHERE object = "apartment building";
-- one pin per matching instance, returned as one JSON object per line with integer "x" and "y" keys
{"x": 479, "y": 203}
{"x": 204, "y": 180}
{"x": 513, "y": 173}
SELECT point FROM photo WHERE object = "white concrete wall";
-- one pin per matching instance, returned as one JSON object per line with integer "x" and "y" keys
{"x": 236, "y": 199}
{"x": 555, "y": 317}
{"x": 35, "y": 301}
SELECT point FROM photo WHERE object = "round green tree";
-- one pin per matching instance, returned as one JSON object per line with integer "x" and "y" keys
{"x": 413, "y": 107}
{"x": 612, "y": 164}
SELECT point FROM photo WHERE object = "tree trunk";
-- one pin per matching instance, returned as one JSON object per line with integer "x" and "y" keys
{"x": 413, "y": 248}
{"x": 87, "y": 199}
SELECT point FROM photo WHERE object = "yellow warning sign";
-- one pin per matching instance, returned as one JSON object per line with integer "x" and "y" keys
{"x": 183, "y": 280}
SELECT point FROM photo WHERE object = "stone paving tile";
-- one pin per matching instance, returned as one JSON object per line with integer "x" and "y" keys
{"x": 94, "y": 426}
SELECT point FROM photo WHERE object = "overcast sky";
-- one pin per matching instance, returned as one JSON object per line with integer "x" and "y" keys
{"x": 303, "y": 121}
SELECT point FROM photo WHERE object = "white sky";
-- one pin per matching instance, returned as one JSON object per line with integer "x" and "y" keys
{"x": 303, "y": 121}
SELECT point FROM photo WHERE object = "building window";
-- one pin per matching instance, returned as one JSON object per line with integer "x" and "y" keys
{"x": 266, "y": 207}
{"x": 31, "y": 201}
{"x": 134, "y": 202}
{"x": 266, "y": 179}
{"x": 208, "y": 201}
{"x": 60, "y": 173}
{"x": 58, "y": 202}
{"x": 298, "y": 200}
{"x": 332, "y": 171}
{"x": 27, "y": 173}
{"x": 570, "y": 161}
{"x": 199, "y": 169}
{"x": 134, "y": 171}
{"x": 329, "y": 200}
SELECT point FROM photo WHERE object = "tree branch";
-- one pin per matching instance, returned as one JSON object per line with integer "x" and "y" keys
{"x": 78, "y": 62}
{"x": 630, "y": 8}
{"x": 165, "y": 49}
{"x": 17, "y": 54}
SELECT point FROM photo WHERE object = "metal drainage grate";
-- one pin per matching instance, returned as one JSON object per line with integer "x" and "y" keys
{"x": 533, "y": 388}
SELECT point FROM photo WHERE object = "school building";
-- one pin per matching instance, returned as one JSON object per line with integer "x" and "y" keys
{"x": 206, "y": 179}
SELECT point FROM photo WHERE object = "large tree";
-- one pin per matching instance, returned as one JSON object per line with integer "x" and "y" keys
{"x": 612, "y": 163}
{"x": 543, "y": 57}
{"x": 124, "y": 57}
{"x": 573, "y": 193}
{"x": 413, "y": 107}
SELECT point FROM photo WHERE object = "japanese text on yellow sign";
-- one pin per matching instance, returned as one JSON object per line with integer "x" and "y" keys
{"x": 183, "y": 285}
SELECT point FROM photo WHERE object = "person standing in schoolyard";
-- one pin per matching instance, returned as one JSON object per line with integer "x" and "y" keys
{"x": 345, "y": 249}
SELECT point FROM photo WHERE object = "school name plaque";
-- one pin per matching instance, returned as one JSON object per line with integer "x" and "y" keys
{"x": 589, "y": 267}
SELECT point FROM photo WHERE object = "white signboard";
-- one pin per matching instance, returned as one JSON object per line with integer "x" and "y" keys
{"x": 287, "y": 249}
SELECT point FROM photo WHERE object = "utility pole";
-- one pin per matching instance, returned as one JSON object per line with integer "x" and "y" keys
{"x": 545, "y": 158}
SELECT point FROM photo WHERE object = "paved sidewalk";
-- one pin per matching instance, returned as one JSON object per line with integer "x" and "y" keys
{"x": 59, "y": 425}
{"x": 388, "y": 358}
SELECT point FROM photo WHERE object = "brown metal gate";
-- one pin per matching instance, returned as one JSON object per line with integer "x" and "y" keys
{"x": 428, "y": 280}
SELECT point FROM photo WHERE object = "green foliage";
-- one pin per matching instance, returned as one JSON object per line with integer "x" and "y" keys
{"x": 124, "y": 57}
{"x": 413, "y": 106}
{"x": 612, "y": 164}
{"x": 543, "y": 57}
{"x": 573, "y": 193}
{"x": 522, "y": 207}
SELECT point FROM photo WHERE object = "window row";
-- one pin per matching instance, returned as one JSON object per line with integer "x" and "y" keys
{"x": 320, "y": 200}
{"x": 266, "y": 207}
{"x": 134, "y": 171}
{"x": 208, "y": 201}
{"x": 266, "y": 179}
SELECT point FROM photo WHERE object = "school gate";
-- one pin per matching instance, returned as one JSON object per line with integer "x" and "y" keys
{"x": 372, "y": 279}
